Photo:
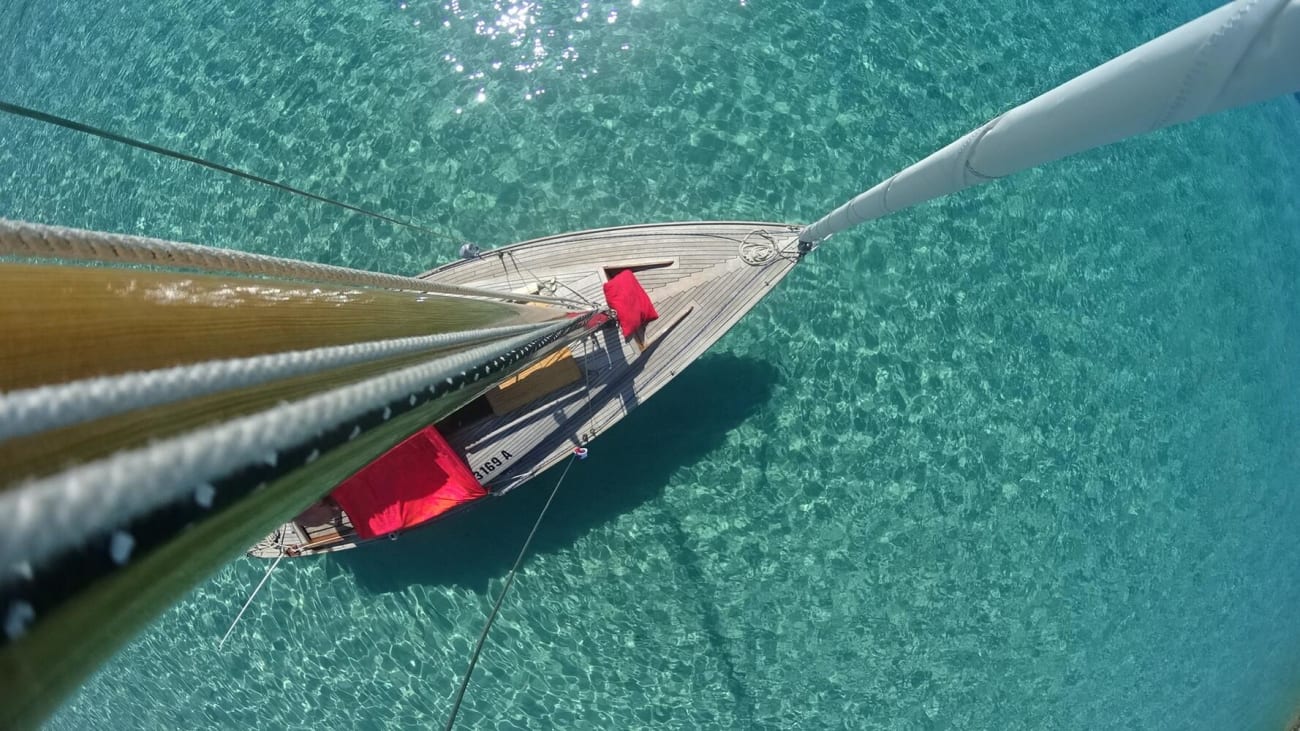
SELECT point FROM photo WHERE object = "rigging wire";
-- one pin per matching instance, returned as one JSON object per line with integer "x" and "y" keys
{"x": 251, "y": 597}
{"x": 496, "y": 608}
{"x": 554, "y": 280}
{"x": 39, "y": 116}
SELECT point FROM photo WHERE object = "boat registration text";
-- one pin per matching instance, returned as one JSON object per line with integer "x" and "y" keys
{"x": 485, "y": 470}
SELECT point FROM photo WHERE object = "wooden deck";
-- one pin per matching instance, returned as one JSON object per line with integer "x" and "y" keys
{"x": 695, "y": 267}
{"x": 702, "y": 278}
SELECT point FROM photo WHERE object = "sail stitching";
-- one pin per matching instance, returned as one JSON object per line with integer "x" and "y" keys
{"x": 1201, "y": 62}
{"x": 968, "y": 151}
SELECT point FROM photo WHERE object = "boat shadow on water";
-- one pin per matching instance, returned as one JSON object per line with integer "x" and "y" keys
{"x": 627, "y": 467}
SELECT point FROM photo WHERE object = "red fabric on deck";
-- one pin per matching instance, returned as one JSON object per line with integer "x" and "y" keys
{"x": 418, "y": 479}
{"x": 628, "y": 298}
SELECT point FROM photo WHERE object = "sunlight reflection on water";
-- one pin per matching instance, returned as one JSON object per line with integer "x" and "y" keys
{"x": 522, "y": 45}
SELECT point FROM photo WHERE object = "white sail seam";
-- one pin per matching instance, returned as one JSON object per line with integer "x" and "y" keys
{"x": 1201, "y": 63}
{"x": 968, "y": 152}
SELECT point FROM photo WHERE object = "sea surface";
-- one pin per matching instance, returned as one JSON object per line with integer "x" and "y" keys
{"x": 1024, "y": 458}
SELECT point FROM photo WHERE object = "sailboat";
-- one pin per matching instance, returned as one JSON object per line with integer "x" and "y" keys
{"x": 164, "y": 406}
{"x": 696, "y": 280}
{"x": 708, "y": 275}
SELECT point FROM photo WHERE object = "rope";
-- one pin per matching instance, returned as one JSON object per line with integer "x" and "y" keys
{"x": 761, "y": 253}
{"x": 34, "y": 410}
{"x": 542, "y": 284}
{"x": 19, "y": 238}
{"x": 589, "y": 344}
{"x": 50, "y": 513}
{"x": 510, "y": 285}
{"x": 496, "y": 608}
{"x": 555, "y": 280}
{"x": 21, "y": 111}
{"x": 251, "y": 597}
{"x": 592, "y": 343}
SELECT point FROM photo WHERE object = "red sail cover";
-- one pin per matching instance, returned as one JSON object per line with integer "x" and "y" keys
{"x": 628, "y": 298}
{"x": 419, "y": 479}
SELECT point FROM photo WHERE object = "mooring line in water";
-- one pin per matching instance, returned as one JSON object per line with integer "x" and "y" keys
{"x": 579, "y": 453}
{"x": 39, "y": 116}
{"x": 251, "y": 597}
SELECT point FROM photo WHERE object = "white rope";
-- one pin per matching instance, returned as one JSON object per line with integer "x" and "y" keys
{"x": 34, "y": 410}
{"x": 764, "y": 252}
{"x": 251, "y": 597}
{"x": 50, "y": 513}
{"x": 20, "y": 238}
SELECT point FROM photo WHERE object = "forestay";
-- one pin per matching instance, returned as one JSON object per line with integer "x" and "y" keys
{"x": 1242, "y": 53}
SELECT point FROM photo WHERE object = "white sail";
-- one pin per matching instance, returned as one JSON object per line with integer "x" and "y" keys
{"x": 1242, "y": 53}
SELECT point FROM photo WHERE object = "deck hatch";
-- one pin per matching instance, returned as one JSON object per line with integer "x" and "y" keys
{"x": 637, "y": 266}
{"x": 540, "y": 379}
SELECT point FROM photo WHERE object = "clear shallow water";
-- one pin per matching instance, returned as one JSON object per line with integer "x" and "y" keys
{"x": 1024, "y": 458}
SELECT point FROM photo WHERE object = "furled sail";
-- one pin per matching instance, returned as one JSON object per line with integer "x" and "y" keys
{"x": 155, "y": 422}
{"x": 1244, "y": 52}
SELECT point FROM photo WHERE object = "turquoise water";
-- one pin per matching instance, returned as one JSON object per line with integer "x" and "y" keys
{"x": 1024, "y": 458}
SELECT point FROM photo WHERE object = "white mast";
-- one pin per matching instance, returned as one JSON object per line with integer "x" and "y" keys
{"x": 1244, "y": 52}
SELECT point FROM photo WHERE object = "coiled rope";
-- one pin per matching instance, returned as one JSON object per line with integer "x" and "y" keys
{"x": 763, "y": 251}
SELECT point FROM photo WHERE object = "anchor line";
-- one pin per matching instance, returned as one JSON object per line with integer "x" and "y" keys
{"x": 510, "y": 579}
{"x": 251, "y": 597}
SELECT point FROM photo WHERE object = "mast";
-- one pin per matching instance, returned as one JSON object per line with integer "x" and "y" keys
{"x": 1241, "y": 53}
{"x": 154, "y": 422}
